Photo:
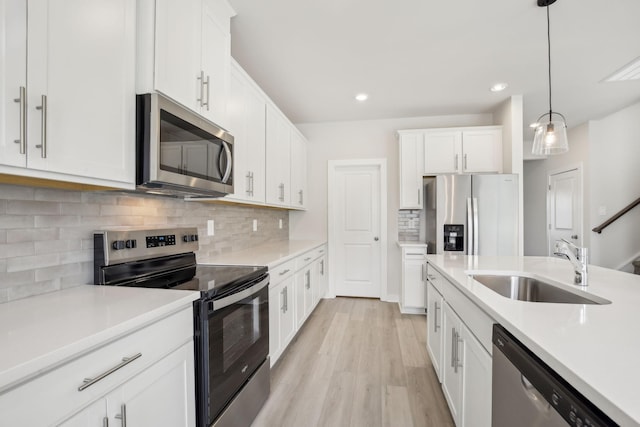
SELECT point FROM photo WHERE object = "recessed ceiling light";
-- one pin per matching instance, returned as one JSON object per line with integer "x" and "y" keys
{"x": 499, "y": 87}
{"x": 362, "y": 97}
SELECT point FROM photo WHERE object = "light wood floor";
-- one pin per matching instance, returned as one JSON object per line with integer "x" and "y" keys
{"x": 356, "y": 362}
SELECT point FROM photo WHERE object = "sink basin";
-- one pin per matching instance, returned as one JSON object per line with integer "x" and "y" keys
{"x": 523, "y": 288}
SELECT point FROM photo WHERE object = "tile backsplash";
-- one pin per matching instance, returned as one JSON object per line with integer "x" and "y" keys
{"x": 409, "y": 225}
{"x": 46, "y": 235}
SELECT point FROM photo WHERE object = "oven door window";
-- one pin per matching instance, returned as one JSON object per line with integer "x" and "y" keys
{"x": 238, "y": 344}
{"x": 190, "y": 151}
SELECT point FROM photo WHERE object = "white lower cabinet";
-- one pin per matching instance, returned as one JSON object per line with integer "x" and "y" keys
{"x": 413, "y": 276}
{"x": 295, "y": 289}
{"x": 461, "y": 361}
{"x": 434, "y": 329}
{"x": 146, "y": 377}
{"x": 282, "y": 322}
{"x": 160, "y": 396}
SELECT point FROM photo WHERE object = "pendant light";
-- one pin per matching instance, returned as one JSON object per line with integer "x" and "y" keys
{"x": 551, "y": 128}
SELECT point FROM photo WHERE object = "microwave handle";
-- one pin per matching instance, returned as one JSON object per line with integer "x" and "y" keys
{"x": 227, "y": 172}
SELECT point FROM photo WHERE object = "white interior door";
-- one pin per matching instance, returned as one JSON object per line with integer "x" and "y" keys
{"x": 565, "y": 208}
{"x": 355, "y": 233}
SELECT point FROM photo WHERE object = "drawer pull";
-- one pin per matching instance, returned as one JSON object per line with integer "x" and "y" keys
{"x": 282, "y": 273}
{"x": 307, "y": 259}
{"x": 88, "y": 382}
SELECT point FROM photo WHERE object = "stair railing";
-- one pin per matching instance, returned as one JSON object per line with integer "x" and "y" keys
{"x": 613, "y": 219}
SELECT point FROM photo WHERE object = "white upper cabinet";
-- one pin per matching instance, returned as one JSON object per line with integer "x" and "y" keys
{"x": 186, "y": 52}
{"x": 278, "y": 156}
{"x": 298, "y": 170}
{"x": 463, "y": 150}
{"x": 246, "y": 112}
{"x": 68, "y": 90}
{"x": 411, "y": 168}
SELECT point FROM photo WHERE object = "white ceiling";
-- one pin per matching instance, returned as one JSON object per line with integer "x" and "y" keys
{"x": 423, "y": 58}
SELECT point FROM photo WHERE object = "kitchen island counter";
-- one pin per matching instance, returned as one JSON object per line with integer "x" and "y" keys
{"x": 593, "y": 347}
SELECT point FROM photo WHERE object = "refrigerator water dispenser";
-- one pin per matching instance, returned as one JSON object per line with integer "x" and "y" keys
{"x": 454, "y": 237}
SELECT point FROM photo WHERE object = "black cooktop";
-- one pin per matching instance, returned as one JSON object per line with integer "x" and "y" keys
{"x": 218, "y": 280}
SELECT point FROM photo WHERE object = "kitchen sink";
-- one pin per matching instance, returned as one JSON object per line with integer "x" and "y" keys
{"x": 530, "y": 289}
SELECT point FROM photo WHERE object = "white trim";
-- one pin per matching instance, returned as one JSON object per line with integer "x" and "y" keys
{"x": 331, "y": 174}
{"x": 578, "y": 167}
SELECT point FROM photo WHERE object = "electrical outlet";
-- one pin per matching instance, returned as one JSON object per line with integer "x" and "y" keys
{"x": 255, "y": 225}
{"x": 280, "y": 223}
{"x": 210, "y": 227}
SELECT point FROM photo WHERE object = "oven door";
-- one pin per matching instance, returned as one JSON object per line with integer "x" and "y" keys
{"x": 238, "y": 342}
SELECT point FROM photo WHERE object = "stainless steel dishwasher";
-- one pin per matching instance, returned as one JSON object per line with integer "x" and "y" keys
{"x": 527, "y": 392}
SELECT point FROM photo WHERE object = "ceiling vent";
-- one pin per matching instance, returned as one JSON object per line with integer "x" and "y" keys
{"x": 631, "y": 71}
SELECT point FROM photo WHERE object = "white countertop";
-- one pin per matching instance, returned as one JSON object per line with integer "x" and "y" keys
{"x": 42, "y": 331}
{"x": 596, "y": 348}
{"x": 411, "y": 244}
{"x": 269, "y": 254}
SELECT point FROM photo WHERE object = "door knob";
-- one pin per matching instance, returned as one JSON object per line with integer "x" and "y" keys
{"x": 376, "y": 239}
{"x": 574, "y": 236}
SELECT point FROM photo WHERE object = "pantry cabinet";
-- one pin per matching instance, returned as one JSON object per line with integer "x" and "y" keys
{"x": 463, "y": 150}
{"x": 68, "y": 90}
{"x": 411, "y": 169}
{"x": 247, "y": 112}
{"x": 186, "y": 52}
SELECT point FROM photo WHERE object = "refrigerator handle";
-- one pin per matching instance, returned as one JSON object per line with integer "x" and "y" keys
{"x": 470, "y": 224}
{"x": 475, "y": 226}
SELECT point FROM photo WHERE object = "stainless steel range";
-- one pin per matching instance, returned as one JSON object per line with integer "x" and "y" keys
{"x": 231, "y": 318}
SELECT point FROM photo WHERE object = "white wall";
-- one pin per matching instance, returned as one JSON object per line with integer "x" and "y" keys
{"x": 615, "y": 182}
{"x": 368, "y": 139}
{"x": 536, "y": 174}
{"x": 509, "y": 115}
{"x": 609, "y": 151}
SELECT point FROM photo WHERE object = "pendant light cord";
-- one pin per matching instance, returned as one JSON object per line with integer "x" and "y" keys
{"x": 549, "y": 60}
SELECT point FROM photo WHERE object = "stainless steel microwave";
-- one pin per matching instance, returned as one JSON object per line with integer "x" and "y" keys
{"x": 180, "y": 153}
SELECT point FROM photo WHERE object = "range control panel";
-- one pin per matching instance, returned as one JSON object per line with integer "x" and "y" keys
{"x": 123, "y": 245}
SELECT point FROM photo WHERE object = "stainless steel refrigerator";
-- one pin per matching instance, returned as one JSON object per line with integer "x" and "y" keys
{"x": 474, "y": 214}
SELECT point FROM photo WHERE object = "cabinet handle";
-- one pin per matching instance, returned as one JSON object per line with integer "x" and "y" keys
{"x": 281, "y": 197}
{"x": 465, "y": 162}
{"x": 322, "y": 267}
{"x": 206, "y": 82}
{"x": 301, "y": 199}
{"x": 105, "y": 422}
{"x": 252, "y": 184}
{"x": 22, "y": 100}
{"x": 201, "y": 79}
{"x": 282, "y": 308}
{"x": 286, "y": 300}
{"x": 422, "y": 273}
{"x": 458, "y": 342}
{"x": 248, "y": 191}
{"x": 455, "y": 162}
{"x": 307, "y": 259}
{"x": 88, "y": 382}
{"x": 453, "y": 347}
{"x": 435, "y": 316}
{"x": 308, "y": 279}
{"x": 122, "y": 415}
{"x": 283, "y": 272}
{"x": 43, "y": 136}
{"x": 418, "y": 196}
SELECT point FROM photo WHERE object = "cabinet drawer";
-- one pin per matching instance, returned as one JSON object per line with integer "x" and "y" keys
{"x": 282, "y": 271}
{"x": 54, "y": 394}
{"x": 413, "y": 253}
{"x": 305, "y": 259}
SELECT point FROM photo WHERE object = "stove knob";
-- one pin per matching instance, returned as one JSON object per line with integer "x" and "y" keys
{"x": 118, "y": 245}
{"x": 185, "y": 238}
{"x": 131, "y": 244}
{"x": 195, "y": 237}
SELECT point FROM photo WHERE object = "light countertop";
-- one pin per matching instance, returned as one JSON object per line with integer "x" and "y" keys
{"x": 269, "y": 254}
{"x": 46, "y": 330}
{"x": 596, "y": 348}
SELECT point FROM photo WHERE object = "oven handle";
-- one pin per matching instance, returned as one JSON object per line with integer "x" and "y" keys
{"x": 234, "y": 298}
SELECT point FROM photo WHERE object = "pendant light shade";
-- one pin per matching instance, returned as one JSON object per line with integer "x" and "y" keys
{"x": 551, "y": 128}
{"x": 551, "y": 135}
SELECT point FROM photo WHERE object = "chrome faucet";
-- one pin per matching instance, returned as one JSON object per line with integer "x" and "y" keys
{"x": 579, "y": 258}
